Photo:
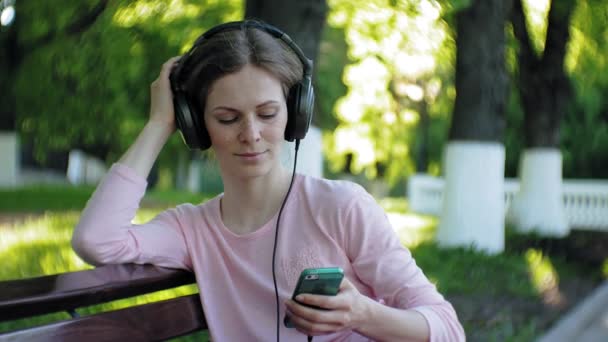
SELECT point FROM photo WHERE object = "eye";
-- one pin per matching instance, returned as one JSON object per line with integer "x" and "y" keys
{"x": 227, "y": 121}
{"x": 268, "y": 115}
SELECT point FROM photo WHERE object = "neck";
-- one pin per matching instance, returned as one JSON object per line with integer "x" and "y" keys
{"x": 249, "y": 203}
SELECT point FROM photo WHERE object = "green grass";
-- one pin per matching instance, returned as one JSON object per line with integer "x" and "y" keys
{"x": 59, "y": 198}
{"x": 39, "y": 245}
{"x": 42, "y": 198}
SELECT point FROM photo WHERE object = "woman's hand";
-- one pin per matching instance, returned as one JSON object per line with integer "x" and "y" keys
{"x": 161, "y": 98}
{"x": 345, "y": 311}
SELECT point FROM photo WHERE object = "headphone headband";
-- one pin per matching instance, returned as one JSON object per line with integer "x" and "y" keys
{"x": 275, "y": 32}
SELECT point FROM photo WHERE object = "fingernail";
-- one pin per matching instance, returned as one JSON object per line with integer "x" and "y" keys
{"x": 300, "y": 297}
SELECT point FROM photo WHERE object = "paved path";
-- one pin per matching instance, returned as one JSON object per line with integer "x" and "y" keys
{"x": 587, "y": 322}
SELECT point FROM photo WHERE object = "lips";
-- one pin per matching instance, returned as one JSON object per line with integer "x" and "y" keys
{"x": 250, "y": 154}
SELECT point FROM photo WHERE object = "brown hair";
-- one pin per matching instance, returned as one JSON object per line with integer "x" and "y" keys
{"x": 229, "y": 51}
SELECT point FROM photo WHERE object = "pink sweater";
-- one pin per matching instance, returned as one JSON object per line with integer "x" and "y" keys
{"x": 324, "y": 223}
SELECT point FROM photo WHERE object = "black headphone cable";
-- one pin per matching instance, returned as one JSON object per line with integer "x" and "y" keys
{"x": 276, "y": 234}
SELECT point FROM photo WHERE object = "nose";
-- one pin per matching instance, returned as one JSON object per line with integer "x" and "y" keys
{"x": 250, "y": 130}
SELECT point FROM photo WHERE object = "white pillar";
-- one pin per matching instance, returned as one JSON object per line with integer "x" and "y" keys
{"x": 310, "y": 154}
{"x": 473, "y": 201}
{"x": 95, "y": 169}
{"x": 9, "y": 154}
{"x": 539, "y": 206}
{"x": 194, "y": 175}
{"x": 76, "y": 173}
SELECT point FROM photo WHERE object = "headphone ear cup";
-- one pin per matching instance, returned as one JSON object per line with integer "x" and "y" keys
{"x": 300, "y": 105}
{"x": 184, "y": 121}
{"x": 193, "y": 131}
{"x": 201, "y": 130}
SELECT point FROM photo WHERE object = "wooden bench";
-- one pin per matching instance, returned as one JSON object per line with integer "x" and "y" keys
{"x": 68, "y": 291}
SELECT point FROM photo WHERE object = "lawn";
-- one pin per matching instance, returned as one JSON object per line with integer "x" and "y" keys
{"x": 514, "y": 296}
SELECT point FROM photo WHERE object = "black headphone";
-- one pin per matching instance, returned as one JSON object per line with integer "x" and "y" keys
{"x": 300, "y": 100}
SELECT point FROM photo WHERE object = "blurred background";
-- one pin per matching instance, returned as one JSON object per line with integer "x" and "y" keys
{"x": 480, "y": 126}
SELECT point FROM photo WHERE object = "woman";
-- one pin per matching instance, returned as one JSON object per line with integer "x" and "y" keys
{"x": 242, "y": 80}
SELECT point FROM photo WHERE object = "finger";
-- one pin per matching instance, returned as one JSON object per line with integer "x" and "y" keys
{"x": 346, "y": 284}
{"x": 168, "y": 65}
{"x": 313, "y": 328}
{"x": 325, "y": 302}
{"x": 315, "y": 315}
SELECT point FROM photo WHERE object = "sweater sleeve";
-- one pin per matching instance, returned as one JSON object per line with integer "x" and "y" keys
{"x": 381, "y": 262}
{"x": 105, "y": 234}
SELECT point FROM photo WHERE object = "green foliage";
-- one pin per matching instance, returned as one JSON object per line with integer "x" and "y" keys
{"x": 91, "y": 87}
{"x": 401, "y": 63}
{"x": 584, "y": 129}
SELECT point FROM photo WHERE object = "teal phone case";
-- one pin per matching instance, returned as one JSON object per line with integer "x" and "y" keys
{"x": 323, "y": 281}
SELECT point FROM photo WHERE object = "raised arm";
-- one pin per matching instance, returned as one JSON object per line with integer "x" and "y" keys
{"x": 105, "y": 233}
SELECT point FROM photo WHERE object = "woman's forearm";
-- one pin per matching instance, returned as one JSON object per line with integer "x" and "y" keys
{"x": 383, "y": 323}
{"x": 144, "y": 151}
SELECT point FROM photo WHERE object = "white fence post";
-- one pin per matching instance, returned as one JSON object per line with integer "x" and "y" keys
{"x": 9, "y": 150}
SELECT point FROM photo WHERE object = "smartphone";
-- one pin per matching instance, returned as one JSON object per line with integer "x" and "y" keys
{"x": 322, "y": 281}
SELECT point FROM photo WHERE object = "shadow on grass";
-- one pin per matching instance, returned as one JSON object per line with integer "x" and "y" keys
{"x": 513, "y": 296}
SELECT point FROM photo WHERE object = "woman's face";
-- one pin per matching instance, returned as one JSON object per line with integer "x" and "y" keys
{"x": 246, "y": 115}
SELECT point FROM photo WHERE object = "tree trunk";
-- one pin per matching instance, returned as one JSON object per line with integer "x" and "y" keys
{"x": 303, "y": 21}
{"x": 482, "y": 82}
{"x": 544, "y": 87}
{"x": 422, "y": 138}
{"x": 9, "y": 139}
{"x": 10, "y": 57}
{"x": 546, "y": 93}
{"x": 473, "y": 204}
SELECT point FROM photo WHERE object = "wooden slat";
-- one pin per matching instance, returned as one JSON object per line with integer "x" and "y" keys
{"x": 149, "y": 322}
{"x": 35, "y": 296}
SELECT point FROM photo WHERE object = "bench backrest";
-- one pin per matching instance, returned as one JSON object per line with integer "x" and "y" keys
{"x": 66, "y": 292}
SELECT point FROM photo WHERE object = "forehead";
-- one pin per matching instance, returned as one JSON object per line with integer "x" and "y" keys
{"x": 249, "y": 84}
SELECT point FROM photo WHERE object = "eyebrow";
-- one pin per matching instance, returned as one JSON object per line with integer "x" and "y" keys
{"x": 235, "y": 110}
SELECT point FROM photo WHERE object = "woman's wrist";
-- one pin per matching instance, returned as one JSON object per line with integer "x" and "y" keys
{"x": 143, "y": 152}
{"x": 366, "y": 310}
{"x": 381, "y": 322}
{"x": 161, "y": 127}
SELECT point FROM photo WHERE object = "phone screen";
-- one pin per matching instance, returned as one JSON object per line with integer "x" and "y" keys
{"x": 322, "y": 281}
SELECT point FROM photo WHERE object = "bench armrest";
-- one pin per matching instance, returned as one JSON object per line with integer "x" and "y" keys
{"x": 67, "y": 291}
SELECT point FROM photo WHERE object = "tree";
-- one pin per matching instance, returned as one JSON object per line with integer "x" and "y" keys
{"x": 303, "y": 21}
{"x": 78, "y": 74}
{"x": 18, "y": 42}
{"x": 546, "y": 96}
{"x": 584, "y": 130}
{"x": 473, "y": 206}
{"x": 399, "y": 82}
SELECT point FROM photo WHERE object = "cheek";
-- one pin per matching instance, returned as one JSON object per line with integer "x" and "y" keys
{"x": 277, "y": 130}
{"x": 275, "y": 133}
{"x": 217, "y": 135}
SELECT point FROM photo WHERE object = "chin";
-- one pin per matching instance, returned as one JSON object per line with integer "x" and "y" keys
{"x": 252, "y": 171}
